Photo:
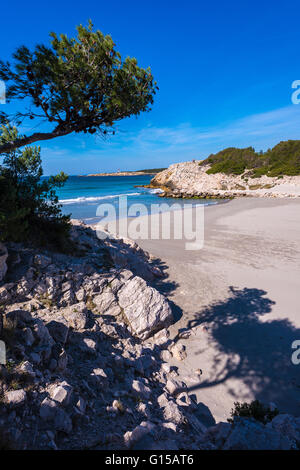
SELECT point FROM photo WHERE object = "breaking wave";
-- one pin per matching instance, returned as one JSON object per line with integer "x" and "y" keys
{"x": 81, "y": 199}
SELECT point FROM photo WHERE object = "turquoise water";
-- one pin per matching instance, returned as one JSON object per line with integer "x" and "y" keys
{"x": 81, "y": 196}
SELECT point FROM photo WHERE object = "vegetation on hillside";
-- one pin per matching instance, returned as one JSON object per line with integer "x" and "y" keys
{"x": 29, "y": 208}
{"x": 283, "y": 159}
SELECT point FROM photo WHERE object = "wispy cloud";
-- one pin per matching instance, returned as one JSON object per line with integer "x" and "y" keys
{"x": 160, "y": 146}
{"x": 255, "y": 130}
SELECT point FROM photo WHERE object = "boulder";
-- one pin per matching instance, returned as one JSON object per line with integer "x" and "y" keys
{"x": 138, "y": 433}
{"x": 174, "y": 387}
{"x": 76, "y": 316}
{"x": 145, "y": 310}
{"x": 162, "y": 400}
{"x": 15, "y": 398}
{"x": 106, "y": 303}
{"x": 141, "y": 390}
{"x": 27, "y": 369}
{"x": 62, "y": 393}
{"x": 172, "y": 413}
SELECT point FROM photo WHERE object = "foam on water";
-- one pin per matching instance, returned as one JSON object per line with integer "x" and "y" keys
{"x": 81, "y": 197}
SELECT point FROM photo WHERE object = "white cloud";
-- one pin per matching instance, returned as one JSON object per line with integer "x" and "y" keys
{"x": 161, "y": 146}
{"x": 259, "y": 129}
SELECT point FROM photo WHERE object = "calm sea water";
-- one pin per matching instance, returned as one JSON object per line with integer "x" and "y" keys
{"x": 81, "y": 196}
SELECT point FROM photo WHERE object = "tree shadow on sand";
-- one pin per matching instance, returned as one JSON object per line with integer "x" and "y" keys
{"x": 250, "y": 349}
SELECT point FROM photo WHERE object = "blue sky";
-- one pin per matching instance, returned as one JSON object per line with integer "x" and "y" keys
{"x": 224, "y": 70}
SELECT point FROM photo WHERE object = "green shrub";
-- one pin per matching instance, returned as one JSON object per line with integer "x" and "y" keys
{"x": 29, "y": 208}
{"x": 255, "y": 410}
{"x": 233, "y": 161}
{"x": 283, "y": 159}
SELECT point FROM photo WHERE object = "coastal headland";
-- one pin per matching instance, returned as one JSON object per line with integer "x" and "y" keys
{"x": 127, "y": 173}
{"x": 194, "y": 180}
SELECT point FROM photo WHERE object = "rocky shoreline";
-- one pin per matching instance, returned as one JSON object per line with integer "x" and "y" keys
{"x": 190, "y": 180}
{"x": 88, "y": 347}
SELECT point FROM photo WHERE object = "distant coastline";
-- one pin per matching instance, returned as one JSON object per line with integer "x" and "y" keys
{"x": 152, "y": 171}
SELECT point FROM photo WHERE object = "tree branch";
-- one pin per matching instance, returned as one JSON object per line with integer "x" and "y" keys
{"x": 36, "y": 137}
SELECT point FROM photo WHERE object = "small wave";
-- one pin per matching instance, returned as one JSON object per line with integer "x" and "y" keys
{"x": 151, "y": 191}
{"x": 156, "y": 191}
{"x": 79, "y": 200}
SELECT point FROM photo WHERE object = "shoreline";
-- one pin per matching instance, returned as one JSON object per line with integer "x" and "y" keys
{"x": 92, "y": 223}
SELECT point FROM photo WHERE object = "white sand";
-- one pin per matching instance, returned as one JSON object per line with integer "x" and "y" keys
{"x": 242, "y": 290}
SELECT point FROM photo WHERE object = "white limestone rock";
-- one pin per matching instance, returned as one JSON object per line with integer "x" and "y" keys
{"x": 15, "y": 398}
{"x": 145, "y": 310}
{"x": 62, "y": 393}
{"x": 76, "y": 316}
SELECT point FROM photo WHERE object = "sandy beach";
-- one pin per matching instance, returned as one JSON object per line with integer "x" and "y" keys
{"x": 240, "y": 297}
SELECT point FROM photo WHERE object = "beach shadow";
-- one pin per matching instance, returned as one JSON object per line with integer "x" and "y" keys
{"x": 250, "y": 349}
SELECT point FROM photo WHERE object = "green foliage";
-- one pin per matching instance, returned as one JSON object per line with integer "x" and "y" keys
{"x": 283, "y": 159}
{"x": 232, "y": 161}
{"x": 29, "y": 208}
{"x": 255, "y": 410}
{"x": 153, "y": 170}
{"x": 78, "y": 84}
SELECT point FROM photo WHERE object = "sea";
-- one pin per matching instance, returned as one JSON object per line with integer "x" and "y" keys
{"x": 81, "y": 196}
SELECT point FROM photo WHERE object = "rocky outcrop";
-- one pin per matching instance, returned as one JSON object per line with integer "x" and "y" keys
{"x": 70, "y": 287}
{"x": 3, "y": 258}
{"x": 87, "y": 361}
{"x": 190, "y": 180}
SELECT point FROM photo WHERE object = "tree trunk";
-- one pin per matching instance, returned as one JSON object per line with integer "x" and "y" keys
{"x": 36, "y": 137}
